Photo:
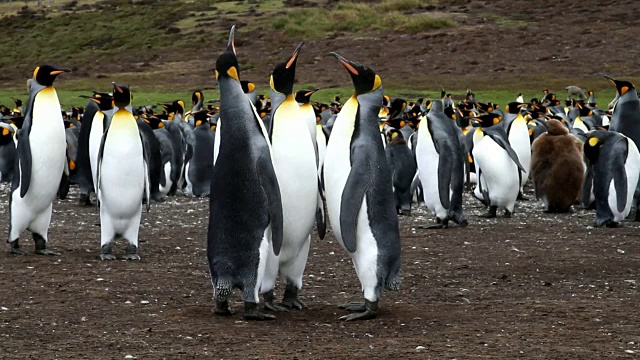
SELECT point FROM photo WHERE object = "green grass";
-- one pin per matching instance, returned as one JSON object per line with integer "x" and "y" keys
{"x": 355, "y": 16}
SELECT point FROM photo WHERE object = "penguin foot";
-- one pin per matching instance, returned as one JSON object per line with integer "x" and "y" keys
{"x": 370, "y": 312}
{"x": 132, "y": 253}
{"x": 15, "y": 248}
{"x": 251, "y": 313}
{"x": 223, "y": 308}
{"x": 41, "y": 246}
{"x": 434, "y": 226}
{"x": 521, "y": 197}
{"x": 491, "y": 214}
{"x": 85, "y": 200}
{"x": 507, "y": 213}
{"x": 354, "y": 306}
{"x": 106, "y": 254}
{"x": 291, "y": 300}
{"x": 269, "y": 303}
{"x": 157, "y": 198}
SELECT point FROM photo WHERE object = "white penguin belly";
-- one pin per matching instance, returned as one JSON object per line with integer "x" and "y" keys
{"x": 321, "y": 142}
{"x": 337, "y": 163}
{"x": 122, "y": 176}
{"x": 48, "y": 151}
{"x": 632, "y": 170}
{"x": 188, "y": 179}
{"x": 520, "y": 142}
{"x": 216, "y": 142}
{"x": 428, "y": 159}
{"x": 365, "y": 258}
{"x": 164, "y": 190}
{"x": 499, "y": 173}
{"x": 294, "y": 164}
{"x": 95, "y": 138}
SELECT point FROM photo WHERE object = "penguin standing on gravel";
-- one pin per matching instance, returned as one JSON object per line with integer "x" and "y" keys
{"x": 123, "y": 178}
{"x": 403, "y": 169}
{"x": 626, "y": 119}
{"x": 199, "y": 163}
{"x": 499, "y": 172}
{"x": 100, "y": 120}
{"x": 615, "y": 163}
{"x": 41, "y": 150}
{"x": 245, "y": 209}
{"x": 557, "y": 169}
{"x": 359, "y": 191}
{"x": 518, "y": 136}
{"x": 294, "y": 159}
{"x": 441, "y": 156}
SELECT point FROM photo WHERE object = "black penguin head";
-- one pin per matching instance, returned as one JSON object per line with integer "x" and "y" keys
{"x": 17, "y": 101}
{"x": 104, "y": 100}
{"x": 154, "y": 122}
{"x": 201, "y": 118}
{"x": 304, "y": 96}
{"x": 227, "y": 67}
{"x": 284, "y": 73}
{"x": 46, "y": 74}
{"x": 247, "y": 86}
{"x": 197, "y": 97}
{"x": 121, "y": 95}
{"x": 622, "y": 86}
{"x": 515, "y": 107}
{"x": 178, "y": 106}
{"x": 593, "y": 144}
{"x": 364, "y": 79}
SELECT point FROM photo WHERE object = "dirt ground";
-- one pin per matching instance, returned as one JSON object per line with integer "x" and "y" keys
{"x": 535, "y": 286}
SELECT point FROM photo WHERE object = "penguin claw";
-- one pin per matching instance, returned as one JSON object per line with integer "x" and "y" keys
{"x": 223, "y": 308}
{"x": 354, "y": 306}
{"x": 293, "y": 303}
{"x": 131, "y": 257}
{"x": 257, "y": 316}
{"x": 107, "y": 257}
{"x": 18, "y": 251}
{"x": 365, "y": 315}
{"x": 271, "y": 306}
{"x": 47, "y": 252}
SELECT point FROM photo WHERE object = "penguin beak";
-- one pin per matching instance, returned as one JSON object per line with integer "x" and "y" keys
{"x": 59, "y": 71}
{"x": 346, "y": 63}
{"x": 310, "y": 92}
{"x": 294, "y": 57}
{"x": 230, "y": 44}
{"x": 116, "y": 87}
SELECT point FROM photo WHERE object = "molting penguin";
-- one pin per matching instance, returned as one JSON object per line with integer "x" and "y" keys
{"x": 498, "y": 169}
{"x": 123, "y": 178}
{"x": 41, "y": 148}
{"x": 245, "y": 209}
{"x": 294, "y": 160}
{"x": 557, "y": 169}
{"x": 199, "y": 167}
{"x": 440, "y": 155}
{"x": 359, "y": 191}
{"x": 615, "y": 163}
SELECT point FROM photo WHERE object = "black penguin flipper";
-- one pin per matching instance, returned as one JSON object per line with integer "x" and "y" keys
{"x": 271, "y": 189}
{"x": 445, "y": 167}
{"x": 63, "y": 189}
{"x": 353, "y": 193}
{"x": 586, "y": 187}
{"x": 619, "y": 174}
{"x": 24, "y": 158}
{"x": 321, "y": 221}
{"x": 146, "y": 196}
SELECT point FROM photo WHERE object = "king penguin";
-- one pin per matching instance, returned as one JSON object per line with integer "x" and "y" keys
{"x": 199, "y": 166}
{"x": 245, "y": 208}
{"x": 83, "y": 164}
{"x": 41, "y": 149}
{"x": 294, "y": 159}
{"x": 498, "y": 170}
{"x": 615, "y": 163}
{"x": 100, "y": 121}
{"x": 440, "y": 156}
{"x": 7, "y": 152}
{"x": 359, "y": 191}
{"x": 123, "y": 178}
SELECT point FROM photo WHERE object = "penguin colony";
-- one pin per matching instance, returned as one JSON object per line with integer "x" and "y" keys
{"x": 273, "y": 167}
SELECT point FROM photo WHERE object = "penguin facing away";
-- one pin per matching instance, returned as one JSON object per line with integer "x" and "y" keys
{"x": 557, "y": 169}
{"x": 199, "y": 167}
{"x": 83, "y": 163}
{"x": 41, "y": 150}
{"x": 615, "y": 163}
{"x": 440, "y": 157}
{"x": 123, "y": 178}
{"x": 245, "y": 209}
{"x": 403, "y": 169}
{"x": 294, "y": 160}
{"x": 359, "y": 193}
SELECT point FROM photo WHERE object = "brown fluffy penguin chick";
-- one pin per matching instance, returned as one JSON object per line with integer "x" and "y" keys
{"x": 557, "y": 169}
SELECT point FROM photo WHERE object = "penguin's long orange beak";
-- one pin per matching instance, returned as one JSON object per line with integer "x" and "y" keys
{"x": 346, "y": 63}
{"x": 294, "y": 57}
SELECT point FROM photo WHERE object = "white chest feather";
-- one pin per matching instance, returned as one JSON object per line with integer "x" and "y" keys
{"x": 428, "y": 159}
